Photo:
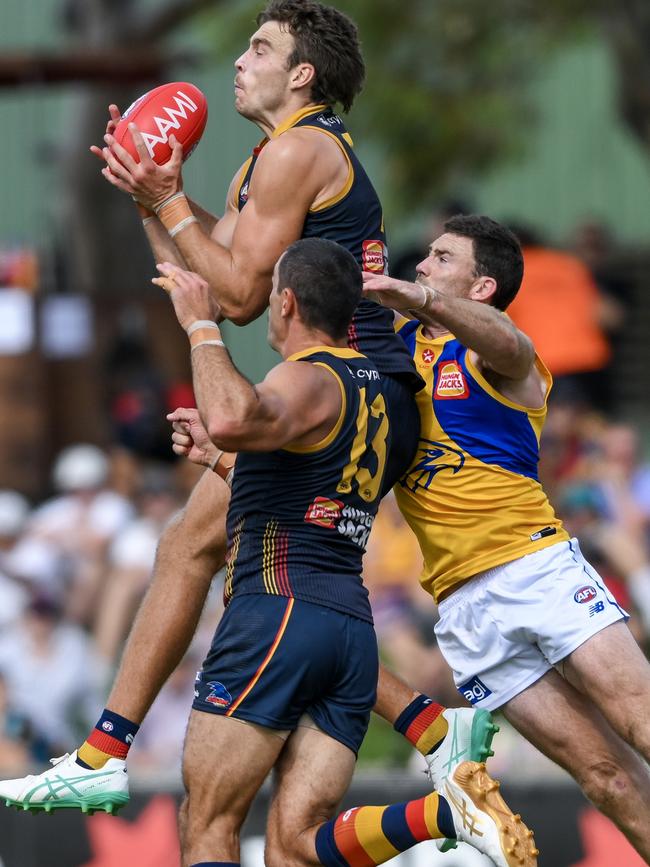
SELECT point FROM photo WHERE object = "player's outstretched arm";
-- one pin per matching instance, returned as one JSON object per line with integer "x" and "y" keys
{"x": 495, "y": 339}
{"x": 237, "y": 262}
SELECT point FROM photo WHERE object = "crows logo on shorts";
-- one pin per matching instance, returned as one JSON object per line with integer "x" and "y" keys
{"x": 218, "y": 695}
{"x": 433, "y": 457}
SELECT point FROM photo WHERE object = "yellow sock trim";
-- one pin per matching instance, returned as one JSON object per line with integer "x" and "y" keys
{"x": 433, "y": 735}
{"x": 367, "y": 825}
{"x": 431, "y": 815}
{"x": 92, "y": 756}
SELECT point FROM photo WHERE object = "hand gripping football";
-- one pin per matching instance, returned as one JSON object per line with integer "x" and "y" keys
{"x": 178, "y": 109}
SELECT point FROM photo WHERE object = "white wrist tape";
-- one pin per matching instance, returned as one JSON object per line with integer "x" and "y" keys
{"x": 207, "y": 343}
{"x": 168, "y": 201}
{"x": 182, "y": 225}
{"x": 200, "y": 323}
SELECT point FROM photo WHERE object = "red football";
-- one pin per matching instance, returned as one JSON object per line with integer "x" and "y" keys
{"x": 178, "y": 109}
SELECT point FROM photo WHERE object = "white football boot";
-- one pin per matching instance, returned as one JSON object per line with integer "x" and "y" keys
{"x": 67, "y": 785}
{"x": 469, "y": 739}
{"x": 483, "y": 819}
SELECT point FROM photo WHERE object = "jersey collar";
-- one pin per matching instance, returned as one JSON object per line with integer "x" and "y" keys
{"x": 337, "y": 351}
{"x": 295, "y": 118}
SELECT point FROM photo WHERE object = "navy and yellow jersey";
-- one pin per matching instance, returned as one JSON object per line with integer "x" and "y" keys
{"x": 300, "y": 517}
{"x": 353, "y": 219}
{"x": 472, "y": 494}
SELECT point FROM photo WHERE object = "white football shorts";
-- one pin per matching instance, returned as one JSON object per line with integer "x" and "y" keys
{"x": 506, "y": 627}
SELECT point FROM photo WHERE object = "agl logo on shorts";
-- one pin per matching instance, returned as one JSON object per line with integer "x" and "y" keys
{"x": 585, "y": 594}
{"x": 474, "y": 690}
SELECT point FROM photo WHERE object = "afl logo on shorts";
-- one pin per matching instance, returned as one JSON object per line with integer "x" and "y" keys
{"x": 585, "y": 594}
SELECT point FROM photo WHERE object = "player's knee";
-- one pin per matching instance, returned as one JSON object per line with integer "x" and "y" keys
{"x": 290, "y": 846}
{"x": 606, "y": 784}
{"x": 198, "y": 820}
{"x": 182, "y": 821}
{"x": 278, "y": 855}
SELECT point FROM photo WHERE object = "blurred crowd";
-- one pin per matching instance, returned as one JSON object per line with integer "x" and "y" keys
{"x": 74, "y": 566}
{"x": 73, "y": 570}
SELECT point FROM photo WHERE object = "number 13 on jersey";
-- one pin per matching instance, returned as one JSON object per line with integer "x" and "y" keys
{"x": 372, "y": 430}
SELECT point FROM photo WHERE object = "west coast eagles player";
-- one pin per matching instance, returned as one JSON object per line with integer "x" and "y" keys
{"x": 526, "y": 624}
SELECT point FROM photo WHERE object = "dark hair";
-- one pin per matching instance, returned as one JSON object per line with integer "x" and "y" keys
{"x": 497, "y": 254}
{"x": 326, "y": 280}
{"x": 327, "y": 39}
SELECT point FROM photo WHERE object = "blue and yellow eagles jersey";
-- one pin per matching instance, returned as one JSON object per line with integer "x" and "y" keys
{"x": 472, "y": 495}
{"x": 354, "y": 220}
{"x": 299, "y": 518}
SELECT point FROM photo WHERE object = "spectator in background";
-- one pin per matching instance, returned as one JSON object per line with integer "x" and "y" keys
{"x": 567, "y": 317}
{"x": 14, "y": 752}
{"x": 52, "y": 677}
{"x": 14, "y": 510}
{"x": 28, "y": 563}
{"x": 606, "y": 501}
{"x": 81, "y": 522}
{"x": 131, "y": 558}
{"x": 593, "y": 244}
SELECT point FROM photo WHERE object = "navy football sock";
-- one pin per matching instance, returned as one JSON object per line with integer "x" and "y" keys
{"x": 111, "y": 738}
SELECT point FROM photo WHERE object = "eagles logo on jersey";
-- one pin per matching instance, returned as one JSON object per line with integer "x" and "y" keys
{"x": 432, "y": 458}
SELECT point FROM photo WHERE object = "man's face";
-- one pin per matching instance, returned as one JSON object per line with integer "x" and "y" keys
{"x": 450, "y": 266}
{"x": 263, "y": 74}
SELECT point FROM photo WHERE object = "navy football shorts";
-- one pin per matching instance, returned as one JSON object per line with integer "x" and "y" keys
{"x": 274, "y": 659}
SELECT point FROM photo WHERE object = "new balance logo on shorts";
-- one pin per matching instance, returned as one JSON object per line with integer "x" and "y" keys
{"x": 596, "y": 609}
{"x": 474, "y": 690}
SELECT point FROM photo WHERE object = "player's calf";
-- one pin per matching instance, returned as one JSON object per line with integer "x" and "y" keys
{"x": 469, "y": 809}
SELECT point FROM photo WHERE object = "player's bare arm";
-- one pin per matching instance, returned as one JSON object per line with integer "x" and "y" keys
{"x": 238, "y": 415}
{"x": 162, "y": 245}
{"x": 295, "y": 171}
{"x": 280, "y": 411}
{"x": 492, "y": 336}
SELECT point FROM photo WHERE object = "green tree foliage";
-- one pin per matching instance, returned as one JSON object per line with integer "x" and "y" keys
{"x": 446, "y": 95}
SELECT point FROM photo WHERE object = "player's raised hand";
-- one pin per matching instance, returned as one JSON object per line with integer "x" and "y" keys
{"x": 113, "y": 120}
{"x": 190, "y": 438}
{"x": 398, "y": 294}
{"x": 146, "y": 181}
{"x": 190, "y": 294}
